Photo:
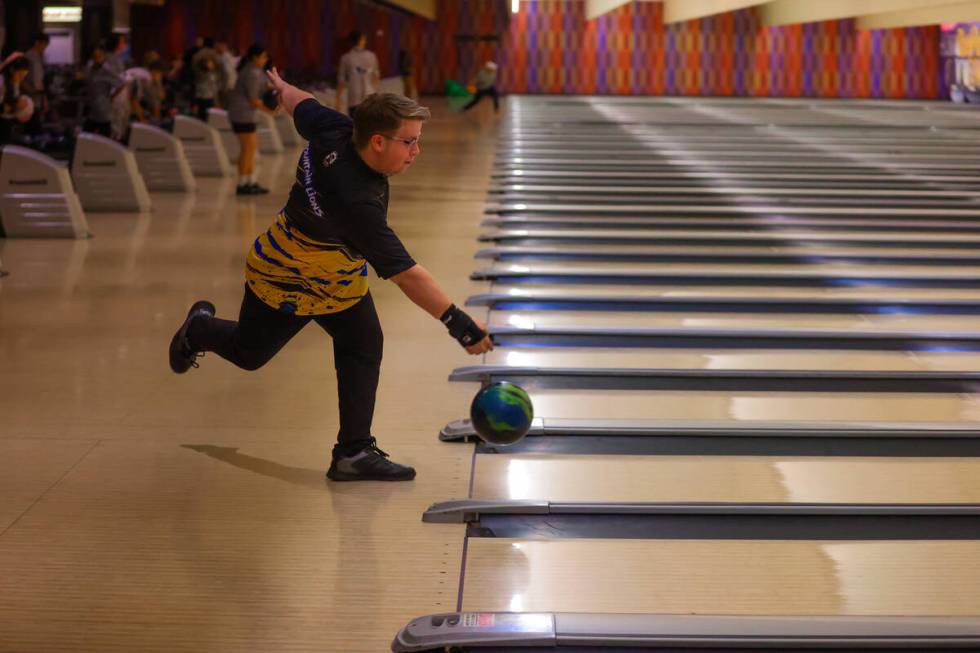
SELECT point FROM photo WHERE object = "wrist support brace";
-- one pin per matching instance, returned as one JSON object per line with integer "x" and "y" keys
{"x": 462, "y": 327}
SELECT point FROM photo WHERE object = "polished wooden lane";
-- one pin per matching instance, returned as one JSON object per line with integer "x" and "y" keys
{"x": 612, "y": 268}
{"x": 732, "y": 359}
{"x": 726, "y": 479}
{"x": 802, "y": 250}
{"x": 641, "y": 319}
{"x": 723, "y": 577}
{"x": 751, "y": 406}
{"x": 785, "y": 237}
{"x": 680, "y": 290}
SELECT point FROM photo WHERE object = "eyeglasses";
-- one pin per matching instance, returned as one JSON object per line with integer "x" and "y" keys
{"x": 408, "y": 142}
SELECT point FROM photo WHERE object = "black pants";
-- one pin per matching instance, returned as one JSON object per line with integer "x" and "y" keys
{"x": 203, "y": 104}
{"x": 261, "y": 331}
{"x": 6, "y": 131}
{"x": 482, "y": 93}
{"x": 35, "y": 125}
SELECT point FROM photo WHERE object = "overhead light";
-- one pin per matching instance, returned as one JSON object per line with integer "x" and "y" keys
{"x": 515, "y": 6}
{"x": 62, "y": 14}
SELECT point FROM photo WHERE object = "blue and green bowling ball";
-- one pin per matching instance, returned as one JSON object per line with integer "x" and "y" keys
{"x": 501, "y": 413}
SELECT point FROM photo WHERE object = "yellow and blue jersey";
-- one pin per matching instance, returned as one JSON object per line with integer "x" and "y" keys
{"x": 313, "y": 259}
{"x": 295, "y": 274}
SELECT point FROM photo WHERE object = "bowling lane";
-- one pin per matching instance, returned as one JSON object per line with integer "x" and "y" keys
{"x": 750, "y": 221}
{"x": 530, "y": 291}
{"x": 725, "y": 479}
{"x": 690, "y": 576}
{"x": 784, "y": 276}
{"x": 732, "y": 359}
{"x": 701, "y": 238}
{"x": 759, "y": 206}
{"x": 698, "y": 405}
{"x": 849, "y": 269}
{"x": 963, "y": 178}
{"x": 912, "y": 164}
{"x": 638, "y": 319}
{"x": 818, "y": 227}
{"x": 632, "y": 268}
{"x": 662, "y": 223}
{"x": 802, "y": 253}
{"x": 536, "y": 144}
{"x": 641, "y": 146}
{"x": 923, "y": 159}
{"x": 656, "y": 193}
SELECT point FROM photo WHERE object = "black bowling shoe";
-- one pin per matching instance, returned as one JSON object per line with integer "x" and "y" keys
{"x": 182, "y": 356}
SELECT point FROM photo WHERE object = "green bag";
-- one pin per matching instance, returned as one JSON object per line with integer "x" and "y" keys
{"x": 455, "y": 89}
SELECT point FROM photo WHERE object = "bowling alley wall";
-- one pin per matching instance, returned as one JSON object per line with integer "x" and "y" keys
{"x": 308, "y": 37}
{"x": 549, "y": 47}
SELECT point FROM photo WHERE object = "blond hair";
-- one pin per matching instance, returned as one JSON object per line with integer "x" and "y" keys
{"x": 382, "y": 113}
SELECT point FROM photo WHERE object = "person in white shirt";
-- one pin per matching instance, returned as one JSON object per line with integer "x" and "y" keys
{"x": 485, "y": 81}
{"x": 358, "y": 72}
{"x": 229, "y": 74}
{"x": 34, "y": 84}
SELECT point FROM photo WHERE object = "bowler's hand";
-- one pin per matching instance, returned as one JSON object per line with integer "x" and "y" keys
{"x": 277, "y": 82}
{"x": 484, "y": 345}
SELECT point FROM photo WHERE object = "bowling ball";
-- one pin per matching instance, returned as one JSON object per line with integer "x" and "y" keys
{"x": 501, "y": 413}
{"x": 271, "y": 99}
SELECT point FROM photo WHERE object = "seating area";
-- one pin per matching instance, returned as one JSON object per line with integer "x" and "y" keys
{"x": 46, "y": 198}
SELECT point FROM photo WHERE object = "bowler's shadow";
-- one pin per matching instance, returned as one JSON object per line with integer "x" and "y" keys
{"x": 313, "y": 478}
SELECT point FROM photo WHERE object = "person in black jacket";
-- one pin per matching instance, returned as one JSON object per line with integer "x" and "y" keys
{"x": 311, "y": 266}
